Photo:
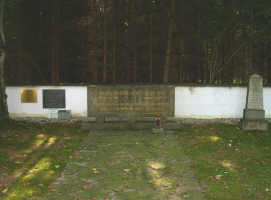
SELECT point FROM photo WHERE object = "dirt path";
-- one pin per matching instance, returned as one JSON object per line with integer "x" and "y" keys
{"x": 126, "y": 166}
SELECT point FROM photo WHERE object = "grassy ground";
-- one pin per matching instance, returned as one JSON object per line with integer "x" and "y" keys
{"x": 229, "y": 163}
{"x": 33, "y": 156}
{"x": 128, "y": 165}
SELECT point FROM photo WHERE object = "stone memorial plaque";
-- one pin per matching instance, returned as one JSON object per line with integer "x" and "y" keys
{"x": 131, "y": 100}
{"x": 29, "y": 96}
{"x": 54, "y": 98}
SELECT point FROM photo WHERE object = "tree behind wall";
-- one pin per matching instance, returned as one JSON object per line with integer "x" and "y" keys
{"x": 215, "y": 42}
{"x": 92, "y": 40}
{"x": 105, "y": 18}
{"x": 3, "y": 103}
{"x": 168, "y": 56}
{"x": 55, "y": 52}
{"x": 115, "y": 38}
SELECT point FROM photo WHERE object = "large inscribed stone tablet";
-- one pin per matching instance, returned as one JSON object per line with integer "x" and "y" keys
{"x": 255, "y": 93}
{"x": 131, "y": 100}
{"x": 29, "y": 96}
{"x": 54, "y": 98}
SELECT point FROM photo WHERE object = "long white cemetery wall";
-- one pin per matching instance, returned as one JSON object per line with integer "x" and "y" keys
{"x": 75, "y": 97}
{"x": 190, "y": 102}
{"x": 215, "y": 102}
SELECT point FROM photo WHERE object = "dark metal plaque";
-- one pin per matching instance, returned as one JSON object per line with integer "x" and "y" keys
{"x": 54, "y": 98}
{"x": 29, "y": 96}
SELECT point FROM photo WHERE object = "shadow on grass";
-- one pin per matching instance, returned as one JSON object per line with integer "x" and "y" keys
{"x": 128, "y": 165}
{"x": 232, "y": 163}
{"x": 33, "y": 157}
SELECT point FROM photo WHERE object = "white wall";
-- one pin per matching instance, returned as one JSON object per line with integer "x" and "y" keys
{"x": 215, "y": 102}
{"x": 76, "y": 101}
{"x": 190, "y": 102}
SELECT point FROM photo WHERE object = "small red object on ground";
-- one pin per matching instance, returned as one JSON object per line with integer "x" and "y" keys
{"x": 158, "y": 122}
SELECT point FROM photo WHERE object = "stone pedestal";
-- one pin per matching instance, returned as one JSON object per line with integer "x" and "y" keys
{"x": 254, "y": 114}
{"x": 64, "y": 114}
{"x": 248, "y": 125}
{"x": 158, "y": 130}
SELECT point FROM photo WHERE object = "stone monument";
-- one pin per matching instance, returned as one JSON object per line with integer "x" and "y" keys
{"x": 254, "y": 114}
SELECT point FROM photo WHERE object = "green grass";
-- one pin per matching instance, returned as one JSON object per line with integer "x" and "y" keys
{"x": 59, "y": 162}
{"x": 33, "y": 156}
{"x": 230, "y": 163}
{"x": 127, "y": 165}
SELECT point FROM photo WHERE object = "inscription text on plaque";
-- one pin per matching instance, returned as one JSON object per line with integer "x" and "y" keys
{"x": 29, "y": 96}
{"x": 125, "y": 100}
{"x": 54, "y": 98}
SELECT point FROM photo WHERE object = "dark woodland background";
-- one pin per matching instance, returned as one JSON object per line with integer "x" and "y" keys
{"x": 137, "y": 41}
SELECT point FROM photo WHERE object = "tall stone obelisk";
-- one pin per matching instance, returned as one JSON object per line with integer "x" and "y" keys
{"x": 254, "y": 114}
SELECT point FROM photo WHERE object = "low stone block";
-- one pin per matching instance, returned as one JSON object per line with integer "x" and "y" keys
{"x": 64, "y": 114}
{"x": 158, "y": 130}
{"x": 52, "y": 114}
{"x": 145, "y": 119}
{"x": 250, "y": 125}
{"x": 91, "y": 119}
{"x": 141, "y": 126}
{"x": 115, "y": 119}
{"x": 104, "y": 126}
{"x": 254, "y": 114}
{"x": 100, "y": 119}
{"x": 85, "y": 126}
{"x": 171, "y": 126}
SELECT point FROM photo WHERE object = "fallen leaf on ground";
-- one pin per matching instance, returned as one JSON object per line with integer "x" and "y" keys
{"x": 95, "y": 171}
{"x": 85, "y": 187}
{"x": 218, "y": 177}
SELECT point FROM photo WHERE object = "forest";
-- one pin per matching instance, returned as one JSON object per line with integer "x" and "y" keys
{"x": 219, "y": 42}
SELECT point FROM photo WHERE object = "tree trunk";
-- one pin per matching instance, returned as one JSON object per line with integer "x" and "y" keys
{"x": 181, "y": 27}
{"x": 181, "y": 60}
{"x": 129, "y": 34}
{"x": 249, "y": 48}
{"x": 169, "y": 42}
{"x": 227, "y": 71}
{"x": 135, "y": 65}
{"x": 105, "y": 43}
{"x": 92, "y": 40}
{"x": 132, "y": 40}
{"x": 19, "y": 39}
{"x": 129, "y": 40}
{"x": 115, "y": 38}
{"x": 151, "y": 53}
{"x": 55, "y": 71}
{"x": 3, "y": 97}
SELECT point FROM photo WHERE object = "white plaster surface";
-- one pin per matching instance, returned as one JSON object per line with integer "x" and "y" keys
{"x": 267, "y": 102}
{"x": 190, "y": 102}
{"x": 215, "y": 102}
{"x": 76, "y": 101}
